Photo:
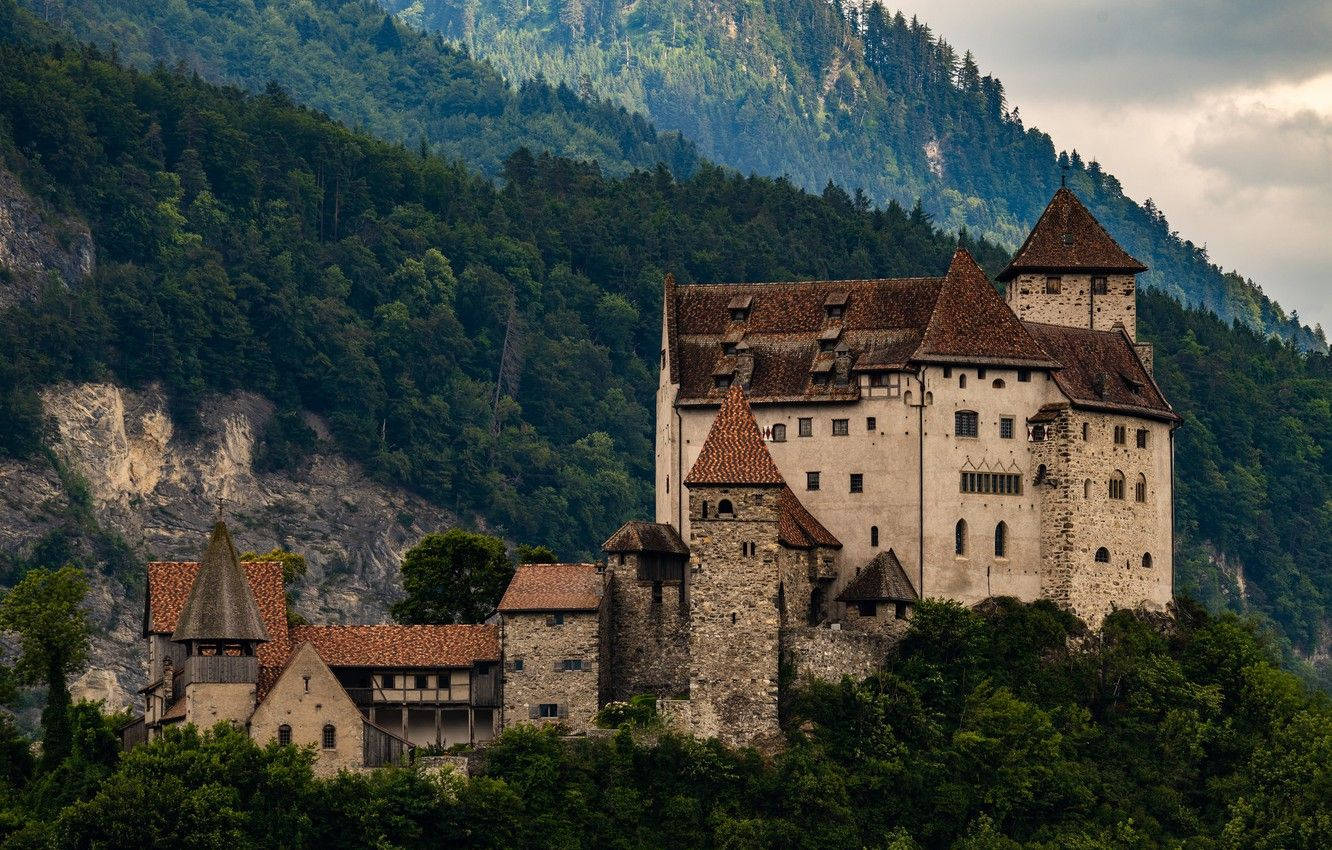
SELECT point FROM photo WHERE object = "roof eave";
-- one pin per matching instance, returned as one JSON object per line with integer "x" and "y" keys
{"x": 952, "y": 359}
{"x": 1014, "y": 269}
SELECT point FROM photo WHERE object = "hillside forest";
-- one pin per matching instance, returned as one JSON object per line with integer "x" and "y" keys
{"x": 492, "y": 345}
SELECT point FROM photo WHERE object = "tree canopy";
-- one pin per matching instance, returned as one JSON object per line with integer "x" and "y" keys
{"x": 454, "y": 577}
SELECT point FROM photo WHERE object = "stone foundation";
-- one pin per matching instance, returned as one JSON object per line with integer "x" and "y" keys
{"x": 830, "y": 654}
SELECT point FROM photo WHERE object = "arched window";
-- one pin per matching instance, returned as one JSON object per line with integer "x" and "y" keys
{"x": 1103, "y": 555}
{"x": 779, "y": 433}
{"x": 1146, "y": 560}
{"x": 962, "y": 380}
{"x": 998, "y": 383}
{"x": 724, "y": 508}
{"x": 1086, "y": 489}
{"x": 284, "y": 734}
{"x": 874, "y": 535}
{"x": 1117, "y": 485}
{"x": 1000, "y": 540}
{"x": 330, "y": 736}
{"x": 1140, "y": 488}
{"x": 960, "y": 538}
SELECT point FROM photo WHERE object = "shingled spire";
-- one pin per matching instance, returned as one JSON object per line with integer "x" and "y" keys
{"x": 221, "y": 606}
{"x": 1068, "y": 238}
{"x": 734, "y": 452}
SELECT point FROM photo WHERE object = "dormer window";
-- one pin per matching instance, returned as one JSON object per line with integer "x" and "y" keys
{"x": 728, "y": 348}
{"x": 739, "y": 307}
{"x": 722, "y": 382}
{"x": 834, "y": 306}
{"x": 828, "y": 338}
{"x": 731, "y": 342}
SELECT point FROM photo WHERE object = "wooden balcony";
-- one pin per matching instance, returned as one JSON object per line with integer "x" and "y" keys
{"x": 218, "y": 669}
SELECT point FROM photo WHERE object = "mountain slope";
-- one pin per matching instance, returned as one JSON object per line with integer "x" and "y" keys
{"x": 347, "y": 58}
{"x": 873, "y": 101}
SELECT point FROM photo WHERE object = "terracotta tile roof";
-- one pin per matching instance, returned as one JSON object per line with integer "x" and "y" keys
{"x": 1101, "y": 370}
{"x": 733, "y": 452}
{"x": 882, "y": 579}
{"x": 169, "y": 584}
{"x": 174, "y": 712}
{"x": 797, "y": 527}
{"x": 392, "y": 645}
{"x": 1067, "y": 237}
{"x": 221, "y": 605}
{"x": 971, "y": 322}
{"x": 637, "y": 536}
{"x": 553, "y": 587}
{"x": 783, "y": 329}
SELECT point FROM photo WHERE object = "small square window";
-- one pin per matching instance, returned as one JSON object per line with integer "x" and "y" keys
{"x": 779, "y": 433}
{"x": 980, "y": 374}
{"x": 948, "y": 371}
{"x": 422, "y": 682}
{"x": 548, "y": 709}
{"x": 1099, "y": 286}
{"x": 1142, "y": 438}
{"x": 900, "y": 611}
{"x": 386, "y": 680}
{"x": 811, "y": 481}
{"x": 518, "y": 665}
{"x": 1024, "y": 375}
{"x": 557, "y": 619}
{"x": 857, "y": 482}
{"x": 867, "y": 609}
{"x": 656, "y": 592}
{"x": 805, "y": 426}
{"x": 841, "y": 427}
{"x": 722, "y": 382}
{"x": 1120, "y": 435}
{"x": 871, "y": 423}
{"x": 573, "y": 665}
{"x": 966, "y": 423}
{"x": 1054, "y": 285}
{"x": 1006, "y": 427}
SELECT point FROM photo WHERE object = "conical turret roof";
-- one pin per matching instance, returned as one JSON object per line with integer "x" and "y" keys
{"x": 734, "y": 452}
{"x": 221, "y": 605}
{"x": 1067, "y": 237}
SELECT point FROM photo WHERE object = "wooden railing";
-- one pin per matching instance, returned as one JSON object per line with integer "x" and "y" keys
{"x": 381, "y": 747}
{"x": 218, "y": 668}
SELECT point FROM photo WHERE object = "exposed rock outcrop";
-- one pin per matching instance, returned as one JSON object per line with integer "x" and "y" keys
{"x": 35, "y": 243}
{"x": 161, "y": 492}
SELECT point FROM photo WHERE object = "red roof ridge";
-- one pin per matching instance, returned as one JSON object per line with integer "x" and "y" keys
{"x": 734, "y": 452}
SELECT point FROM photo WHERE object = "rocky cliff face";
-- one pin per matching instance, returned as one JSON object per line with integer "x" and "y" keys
{"x": 161, "y": 492}
{"x": 36, "y": 243}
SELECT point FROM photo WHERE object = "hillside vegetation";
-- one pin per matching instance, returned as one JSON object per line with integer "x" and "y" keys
{"x": 870, "y": 100}
{"x": 1006, "y": 729}
{"x": 246, "y": 242}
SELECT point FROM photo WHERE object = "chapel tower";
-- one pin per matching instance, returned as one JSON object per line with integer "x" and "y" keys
{"x": 1071, "y": 272}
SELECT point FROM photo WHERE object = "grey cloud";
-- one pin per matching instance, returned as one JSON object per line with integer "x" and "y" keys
{"x": 1263, "y": 147}
{"x": 1142, "y": 51}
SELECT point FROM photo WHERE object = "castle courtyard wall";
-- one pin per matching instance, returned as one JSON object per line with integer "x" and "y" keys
{"x": 830, "y": 654}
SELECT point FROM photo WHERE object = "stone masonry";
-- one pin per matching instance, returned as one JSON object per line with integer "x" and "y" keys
{"x": 650, "y": 650}
{"x": 536, "y": 649}
{"x": 1076, "y": 303}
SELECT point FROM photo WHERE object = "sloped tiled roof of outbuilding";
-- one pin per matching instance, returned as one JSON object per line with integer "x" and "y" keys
{"x": 169, "y": 584}
{"x": 1067, "y": 237}
{"x": 882, "y": 579}
{"x": 733, "y": 452}
{"x": 796, "y": 526}
{"x": 1101, "y": 370}
{"x": 636, "y": 536}
{"x": 393, "y": 645}
{"x": 553, "y": 587}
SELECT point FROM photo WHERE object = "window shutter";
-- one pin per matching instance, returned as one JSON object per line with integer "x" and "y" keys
{"x": 550, "y": 619}
{"x": 559, "y": 666}
{"x": 533, "y": 712}
{"x": 508, "y": 666}
{"x": 563, "y": 710}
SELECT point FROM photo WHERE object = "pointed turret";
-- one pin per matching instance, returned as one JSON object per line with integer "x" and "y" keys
{"x": 221, "y": 607}
{"x": 1068, "y": 238}
{"x": 734, "y": 453}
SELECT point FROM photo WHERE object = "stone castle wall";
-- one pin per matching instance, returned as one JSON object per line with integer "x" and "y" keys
{"x": 830, "y": 654}
{"x": 1075, "y": 305}
{"x": 734, "y": 616}
{"x": 540, "y": 648}
{"x": 649, "y": 649}
{"x": 1079, "y": 516}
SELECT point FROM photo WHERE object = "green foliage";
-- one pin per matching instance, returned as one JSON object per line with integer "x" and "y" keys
{"x": 454, "y": 577}
{"x": 45, "y": 611}
{"x": 838, "y": 92}
{"x": 1150, "y": 732}
{"x": 346, "y": 58}
{"x": 638, "y": 712}
{"x": 528, "y": 554}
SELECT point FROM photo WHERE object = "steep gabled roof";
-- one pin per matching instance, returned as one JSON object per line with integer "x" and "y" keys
{"x": 635, "y": 536}
{"x": 1102, "y": 371}
{"x": 733, "y": 452}
{"x": 393, "y": 645}
{"x": 553, "y": 587}
{"x": 169, "y": 585}
{"x": 796, "y": 526}
{"x": 972, "y": 323}
{"x": 1067, "y": 237}
{"x": 881, "y": 580}
{"x": 221, "y": 605}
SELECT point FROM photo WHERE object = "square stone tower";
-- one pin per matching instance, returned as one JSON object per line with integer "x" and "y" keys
{"x": 1071, "y": 272}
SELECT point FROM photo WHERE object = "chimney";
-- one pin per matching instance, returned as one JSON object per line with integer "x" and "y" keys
{"x": 842, "y": 365}
{"x": 744, "y": 363}
{"x": 1147, "y": 355}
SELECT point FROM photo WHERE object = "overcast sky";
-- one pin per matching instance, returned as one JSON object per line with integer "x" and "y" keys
{"x": 1219, "y": 111}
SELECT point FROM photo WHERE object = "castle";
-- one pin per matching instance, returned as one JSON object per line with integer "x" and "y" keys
{"x": 827, "y": 454}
